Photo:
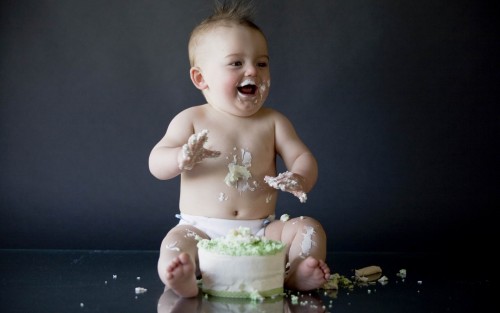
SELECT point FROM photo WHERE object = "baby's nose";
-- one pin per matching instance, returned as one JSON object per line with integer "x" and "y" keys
{"x": 250, "y": 70}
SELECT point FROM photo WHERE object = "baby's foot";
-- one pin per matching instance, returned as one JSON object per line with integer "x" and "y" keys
{"x": 310, "y": 274}
{"x": 181, "y": 276}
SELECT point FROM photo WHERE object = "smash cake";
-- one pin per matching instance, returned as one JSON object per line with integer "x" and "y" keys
{"x": 241, "y": 265}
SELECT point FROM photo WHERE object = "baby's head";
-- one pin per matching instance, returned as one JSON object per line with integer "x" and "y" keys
{"x": 229, "y": 59}
{"x": 234, "y": 13}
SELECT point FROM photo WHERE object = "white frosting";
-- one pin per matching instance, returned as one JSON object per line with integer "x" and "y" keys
{"x": 239, "y": 174}
{"x": 251, "y": 274}
{"x": 246, "y": 82}
{"x": 307, "y": 242}
{"x": 222, "y": 197}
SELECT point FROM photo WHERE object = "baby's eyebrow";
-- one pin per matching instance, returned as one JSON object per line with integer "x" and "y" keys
{"x": 234, "y": 55}
{"x": 263, "y": 56}
{"x": 240, "y": 55}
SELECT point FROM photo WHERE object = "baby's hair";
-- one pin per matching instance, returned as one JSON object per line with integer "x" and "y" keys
{"x": 239, "y": 11}
{"x": 226, "y": 12}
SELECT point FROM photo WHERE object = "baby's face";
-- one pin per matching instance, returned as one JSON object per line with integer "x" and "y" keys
{"x": 234, "y": 63}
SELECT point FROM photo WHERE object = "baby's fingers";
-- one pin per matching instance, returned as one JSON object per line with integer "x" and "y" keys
{"x": 301, "y": 195}
{"x": 196, "y": 141}
{"x": 288, "y": 182}
{"x": 211, "y": 154}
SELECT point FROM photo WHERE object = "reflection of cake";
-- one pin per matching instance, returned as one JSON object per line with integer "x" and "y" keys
{"x": 241, "y": 265}
{"x": 239, "y": 305}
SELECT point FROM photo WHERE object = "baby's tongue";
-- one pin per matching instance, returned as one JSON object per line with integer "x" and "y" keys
{"x": 246, "y": 89}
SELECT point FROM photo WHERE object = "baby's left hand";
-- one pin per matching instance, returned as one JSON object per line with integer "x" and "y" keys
{"x": 289, "y": 182}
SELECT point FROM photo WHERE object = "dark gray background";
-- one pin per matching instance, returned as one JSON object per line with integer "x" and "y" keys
{"x": 397, "y": 99}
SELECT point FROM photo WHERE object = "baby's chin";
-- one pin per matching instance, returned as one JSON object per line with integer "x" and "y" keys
{"x": 247, "y": 107}
{"x": 239, "y": 107}
{"x": 243, "y": 112}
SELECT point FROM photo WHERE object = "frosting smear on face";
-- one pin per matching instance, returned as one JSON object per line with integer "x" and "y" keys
{"x": 247, "y": 87}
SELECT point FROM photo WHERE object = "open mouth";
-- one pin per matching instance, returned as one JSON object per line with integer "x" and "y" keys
{"x": 247, "y": 88}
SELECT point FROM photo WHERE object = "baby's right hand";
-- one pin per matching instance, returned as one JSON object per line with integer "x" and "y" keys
{"x": 194, "y": 151}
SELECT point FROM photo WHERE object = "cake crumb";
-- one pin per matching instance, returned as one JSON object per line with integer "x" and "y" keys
{"x": 401, "y": 273}
{"x": 383, "y": 280}
{"x": 284, "y": 217}
{"x": 222, "y": 197}
{"x": 139, "y": 290}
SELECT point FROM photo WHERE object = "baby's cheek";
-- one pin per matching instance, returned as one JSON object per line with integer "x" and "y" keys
{"x": 264, "y": 86}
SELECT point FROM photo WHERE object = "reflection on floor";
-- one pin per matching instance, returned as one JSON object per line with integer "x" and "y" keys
{"x": 126, "y": 281}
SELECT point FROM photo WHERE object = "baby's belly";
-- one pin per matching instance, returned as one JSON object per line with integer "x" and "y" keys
{"x": 228, "y": 203}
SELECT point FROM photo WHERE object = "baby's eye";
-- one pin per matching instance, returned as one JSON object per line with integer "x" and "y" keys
{"x": 262, "y": 64}
{"x": 236, "y": 63}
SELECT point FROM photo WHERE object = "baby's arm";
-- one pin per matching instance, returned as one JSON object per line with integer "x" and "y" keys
{"x": 301, "y": 164}
{"x": 179, "y": 149}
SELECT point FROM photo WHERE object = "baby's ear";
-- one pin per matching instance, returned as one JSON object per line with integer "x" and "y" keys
{"x": 197, "y": 78}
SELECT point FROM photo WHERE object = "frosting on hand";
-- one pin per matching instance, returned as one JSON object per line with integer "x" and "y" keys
{"x": 194, "y": 152}
{"x": 289, "y": 182}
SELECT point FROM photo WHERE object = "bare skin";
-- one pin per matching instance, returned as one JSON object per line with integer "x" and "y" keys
{"x": 308, "y": 270}
{"x": 225, "y": 153}
{"x": 309, "y": 274}
{"x": 180, "y": 275}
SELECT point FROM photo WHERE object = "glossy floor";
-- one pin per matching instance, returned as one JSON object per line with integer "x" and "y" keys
{"x": 106, "y": 281}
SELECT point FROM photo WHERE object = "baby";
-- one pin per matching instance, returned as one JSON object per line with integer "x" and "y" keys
{"x": 225, "y": 151}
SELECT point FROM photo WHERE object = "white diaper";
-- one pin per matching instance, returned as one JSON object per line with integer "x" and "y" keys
{"x": 219, "y": 227}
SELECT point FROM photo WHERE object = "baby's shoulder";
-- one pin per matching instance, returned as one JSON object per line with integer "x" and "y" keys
{"x": 191, "y": 114}
{"x": 193, "y": 110}
{"x": 274, "y": 115}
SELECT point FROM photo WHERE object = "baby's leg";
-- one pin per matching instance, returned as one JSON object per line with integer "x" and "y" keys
{"x": 177, "y": 262}
{"x": 306, "y": 244}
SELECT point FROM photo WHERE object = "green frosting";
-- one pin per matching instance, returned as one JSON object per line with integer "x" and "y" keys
{"x": 257, "y": 296}
{"x": 241, "y": 242}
